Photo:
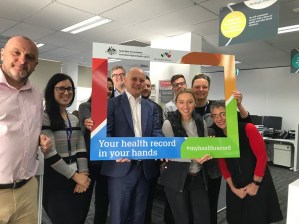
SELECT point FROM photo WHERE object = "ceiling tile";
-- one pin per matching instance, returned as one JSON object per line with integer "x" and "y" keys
{"x": 173, "y": 21}
{"x": 18, "y": 10}
{"x": 6, "y": 24}
{"x": 92, "y": 6}
{"x": 62, "y": 52}
{"x": 58, "y": 38}
{"x": 215, "y": 5}
{"x": 58, "y": 17}
{"x": 33, "y": 32}
{"x": 143, "y": 10}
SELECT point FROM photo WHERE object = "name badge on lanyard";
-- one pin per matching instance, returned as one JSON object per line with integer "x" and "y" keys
{"x": 71, "y": 161}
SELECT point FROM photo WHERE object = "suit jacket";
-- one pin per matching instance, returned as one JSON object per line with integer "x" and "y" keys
{"x": 120, "y": 124}
{"x": 160, "y": 112}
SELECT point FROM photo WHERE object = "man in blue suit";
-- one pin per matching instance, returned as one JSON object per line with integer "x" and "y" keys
{"x": 129, "y": 115}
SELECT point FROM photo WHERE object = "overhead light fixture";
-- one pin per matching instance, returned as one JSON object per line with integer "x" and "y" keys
{"x": 288, "y": 29}
{"x": 86, "y": 25}
{"x": 39, "y": 45}
{"x": 295, "y": 10}
{"x": 238, "y": 62}
{"x": 113, "y": 60}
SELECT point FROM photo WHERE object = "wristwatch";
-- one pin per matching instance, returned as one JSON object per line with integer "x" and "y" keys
{"x": 257, "y": 183}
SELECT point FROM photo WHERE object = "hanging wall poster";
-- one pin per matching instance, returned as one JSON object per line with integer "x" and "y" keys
{"x": 295, "y": 60}
{"x": 248, "y": 21}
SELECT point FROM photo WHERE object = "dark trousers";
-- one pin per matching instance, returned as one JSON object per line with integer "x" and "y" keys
{"x": 128, "y": 197}
{"x": 150, "y": 200}
{"x": 60, "y": 202}
{"x": 192, "y": 204}
{"x": 213, "y": 193}
{"x": 100, "y": 185}
{"x": 168, "y": 216}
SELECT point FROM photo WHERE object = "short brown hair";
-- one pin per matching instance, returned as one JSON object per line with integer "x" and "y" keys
{"x": 117, "y": 67}
{"x": 175, "y": 77}
{"x": 201, "y": 76}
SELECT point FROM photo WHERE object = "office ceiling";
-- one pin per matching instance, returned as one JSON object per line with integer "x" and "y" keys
{"x": 139, "y": 21}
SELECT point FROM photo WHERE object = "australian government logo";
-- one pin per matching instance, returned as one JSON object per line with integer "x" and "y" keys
{"x": 111, "y": 50}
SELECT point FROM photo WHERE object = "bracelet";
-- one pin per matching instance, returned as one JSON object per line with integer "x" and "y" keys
{"x": 257, "y": 183}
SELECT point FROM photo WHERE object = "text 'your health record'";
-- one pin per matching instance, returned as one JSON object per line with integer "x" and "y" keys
{"x": 136, "y": 143}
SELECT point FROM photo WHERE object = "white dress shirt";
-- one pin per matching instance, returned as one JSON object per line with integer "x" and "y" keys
{"x": 135, "y": 104}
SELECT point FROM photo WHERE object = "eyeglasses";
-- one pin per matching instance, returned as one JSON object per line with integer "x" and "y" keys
{"x": 118, "y": 75}
{"x": 217, "y": 116}
{"x": 61, "y": 89}
{"x": 177, "y": 85}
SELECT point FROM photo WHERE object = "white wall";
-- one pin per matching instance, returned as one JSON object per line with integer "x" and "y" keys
{"x": 43, "y": 72}
{"x": 270, "y": 92}
{"x": 164, "y": 71}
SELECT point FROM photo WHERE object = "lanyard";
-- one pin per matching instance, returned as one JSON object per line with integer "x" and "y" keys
{"x": 69, "y": 132}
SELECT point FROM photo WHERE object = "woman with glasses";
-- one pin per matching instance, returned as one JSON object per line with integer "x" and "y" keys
{"x": 250, "y": 192}
{"x": 201, "y": 84}
{"x": 66, "y": 171}
{"x": 183, "y": 179}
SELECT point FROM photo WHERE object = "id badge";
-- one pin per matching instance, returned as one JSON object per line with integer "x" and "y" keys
{"x": 73, "y": 166}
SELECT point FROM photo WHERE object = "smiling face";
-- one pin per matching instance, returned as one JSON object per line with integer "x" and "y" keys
{"x": 219, "y": 117}
{"x": 118, "y": 77}
{"x": 178, "y": 84}
{"x": 63, "y": 93}
{"x": 135, "y": 82}
{"x": 19, "y": 58}
{"x": 201, "y": 89}
{"x": 185, "y": 103}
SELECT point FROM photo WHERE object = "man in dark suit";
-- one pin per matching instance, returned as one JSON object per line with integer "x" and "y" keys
{"x": 129, "y": 115}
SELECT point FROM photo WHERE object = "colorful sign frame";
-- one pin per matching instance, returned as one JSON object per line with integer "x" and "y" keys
{"x": 111, "y": 148}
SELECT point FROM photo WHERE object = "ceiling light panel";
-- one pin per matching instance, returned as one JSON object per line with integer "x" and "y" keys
{"x": 86, "y": 25}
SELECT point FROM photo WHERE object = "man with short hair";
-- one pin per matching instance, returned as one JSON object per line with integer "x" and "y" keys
{"x": 129, "y": 115}
{"x": 21, "y": 114}
{"x": 118, "y": 74}
{"x": 178, "y": 82}
{"x": 146, "y": 95}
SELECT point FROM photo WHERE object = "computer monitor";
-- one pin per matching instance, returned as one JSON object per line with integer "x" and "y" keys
{"x": 256, "y": 119}
{"x": 272, "y": 122}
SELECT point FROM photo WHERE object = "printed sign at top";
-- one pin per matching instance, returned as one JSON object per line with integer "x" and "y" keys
{"x": 247, "y": 21}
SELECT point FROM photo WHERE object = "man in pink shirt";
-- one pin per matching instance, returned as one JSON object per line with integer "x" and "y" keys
{"x": 21, "y": 113}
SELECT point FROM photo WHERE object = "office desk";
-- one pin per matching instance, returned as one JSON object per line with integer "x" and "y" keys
{"x": 292, "y": 142}
{"x": 277, "y": 140}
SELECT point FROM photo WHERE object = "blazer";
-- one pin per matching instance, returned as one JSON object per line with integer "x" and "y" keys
{"x": 120, "y": 124}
